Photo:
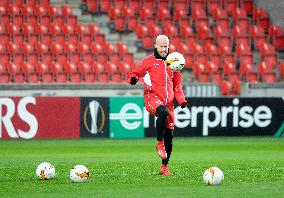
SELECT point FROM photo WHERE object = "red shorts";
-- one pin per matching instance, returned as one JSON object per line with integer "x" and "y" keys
{"x": 152, "y": 102}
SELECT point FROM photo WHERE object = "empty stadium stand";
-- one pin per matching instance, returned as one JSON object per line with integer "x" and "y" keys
{"x": 227, "y": 42}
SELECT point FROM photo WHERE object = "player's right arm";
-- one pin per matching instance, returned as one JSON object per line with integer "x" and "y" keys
{"x": 139, "y": 71}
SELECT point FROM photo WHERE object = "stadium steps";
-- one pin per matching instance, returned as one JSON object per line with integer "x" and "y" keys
{"x": 103, "y": 22}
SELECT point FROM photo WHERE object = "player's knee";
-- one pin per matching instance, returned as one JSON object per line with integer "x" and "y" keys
{"x": 162, "y": 111}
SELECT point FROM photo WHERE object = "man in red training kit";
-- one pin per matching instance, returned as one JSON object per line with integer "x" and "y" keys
{"x": 161, "y": 86}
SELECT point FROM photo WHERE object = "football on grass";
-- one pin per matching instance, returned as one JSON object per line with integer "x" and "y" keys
{"x": 79, "y": 173}
{"x": 175, "y": 61}
{"x": 213, "y": 176}
{"x": 45, "y": 171}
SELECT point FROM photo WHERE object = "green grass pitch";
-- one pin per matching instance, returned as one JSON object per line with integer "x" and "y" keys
{"x": 253, "y": 167}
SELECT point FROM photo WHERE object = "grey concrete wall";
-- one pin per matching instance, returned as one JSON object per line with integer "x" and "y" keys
{"x": 275, "y": 9}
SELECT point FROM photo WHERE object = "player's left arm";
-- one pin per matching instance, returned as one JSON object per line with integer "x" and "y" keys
{"x": 177, "y": 85}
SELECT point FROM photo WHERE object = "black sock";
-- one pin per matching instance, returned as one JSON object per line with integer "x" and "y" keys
{"x": 162, "y": 112}
{"x": 168, "y": 140}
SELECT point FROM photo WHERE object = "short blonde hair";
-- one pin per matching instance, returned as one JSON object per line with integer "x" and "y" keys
{"x": 162, "y": 37}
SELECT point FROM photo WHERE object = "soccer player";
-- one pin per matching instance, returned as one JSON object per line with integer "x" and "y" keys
{"x": 161, "y": 86}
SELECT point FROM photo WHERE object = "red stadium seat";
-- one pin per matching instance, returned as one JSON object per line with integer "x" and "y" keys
{"x": 100, "y": 38}
{"x": 41, "y": 48}
{"x": 83, "y": 48}
{"x": 281, "y": 70}
{"x": 203, "y": 77}
{"x": 201, "y": 58}
{"x": 55, "y": 29}
{"x": 197, "y": 5}
{"x": 47, "y": 77}
{"x": 216, "y": 77}
{"x": 228, "y": 68}
{"x": 3, "y": 48}
{"x": 43, "y": 29}
{"x": 248, "y": 5}
{"x": 163, "y": 13}
{"x": 14, "y": 48}
{"x": 5, "y": 77}
{"x": 233, "y": 76}
{"x": 105, "y": 5}
{"x": 269, "y": 77}
{"x": 114, "y": 57}
{"x": 239, "y": 31}
{"x": 102, "y": 57}
{"x": 70, "y": 48}
{"x": 58, "y": 20}
{"x": 53, "y": 11}
{"x": 88, "y": 57}
{"x": 119, "y": 22}
{"x": 99, "y": 69}
{"x": 242, "y": 49}
{"x": 18, "y": 58}
{"x": 122, "y": 48}
{"x": 44, "y": 3}
{"x": 243, "y": 22}
{"x": 211, "y": 67}
{"x": 116, "y": 77}
{"x": 74, "y": 57}
{"x": 271, "y": 59}
{"x": 261, "y": 18}
{"x": 141, "y": 31}
{"x": 216, "y": 59}
{"x": 40, "y": 67}
{"x": 246, "y": 68}
{"x": 238, "y": 13}
{"x": 13, "y": 9}
{"x": 226, "y": 51}
{"x": 4, "y": 38}
{"x": 56, "y": 67}
{"x": 85, "y": 67}
{"x": 266, "y": 49}
{"x": 181, "y": 5}
{"x": 47, "y": 58}
{"x": 134, "y": 5}
{"x": 128, "y": 58}
{"x": 4, "y": 2}
{"x": 41, "y": 10}
{"x": 226, "y": 87}
{"x": 184, "y": 22}
{"x": 72, "y": 20}
{"x": 231, "y": 5}
{"x": 93, "y": 29}
{"x": 114, "y": 12}
{"x": 45, "y": 20}
{"x": 264, "y": 67}
{"x": 87, "y": 72}
{"x": 124, "y": 67}
{"x": 93, "y": 5}
{"x": 96, "y": 48}
{"x": 189, "y": 60}
{"x": 213, "y": 5}
{"x": 56, "y": 48}
{"x": 32, "y": 58}
{"x": 144, "y": 13}
{"x": 198, "y": 68}
{"x": 132, "y": 23}
{"x": 28, "y": 68}
{"x": 179, "y": 14}
{"x": 66, "y": 10}
{"x": 127, "y": 12}
{"x": 148, "y": 42}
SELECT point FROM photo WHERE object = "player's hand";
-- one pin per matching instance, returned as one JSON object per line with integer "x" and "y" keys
{"x": 133, "y": 80}
{"x": 184, "y": 104}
